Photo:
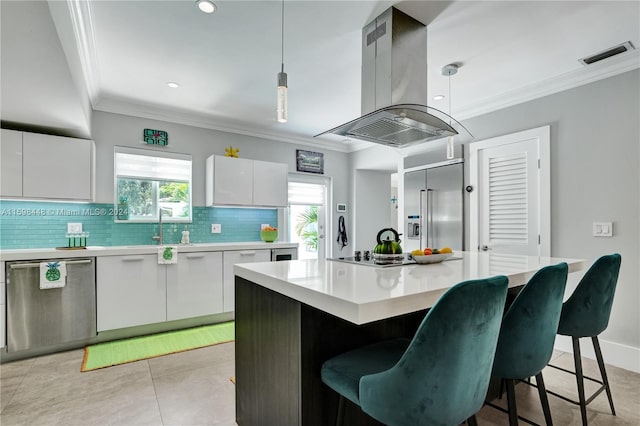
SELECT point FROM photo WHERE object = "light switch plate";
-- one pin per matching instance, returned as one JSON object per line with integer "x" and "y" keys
{"x": 216, "y": 228}
{"x": 74, "y": 228}
{"x": 603, "y": 229}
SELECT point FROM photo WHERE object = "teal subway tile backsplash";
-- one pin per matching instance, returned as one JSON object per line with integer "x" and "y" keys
{"x": 32, "y": 224}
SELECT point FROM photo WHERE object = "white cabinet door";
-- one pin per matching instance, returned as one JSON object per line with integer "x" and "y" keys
{"x": 10, "y": 163}
{"x": 194, "y": 285}
{"x": 57, "y": 167}
{"x": 270, "y": 184}
{"x": 130, "y": 291}
{"x": 232, "y": 257}
{"x": 229, "y": 181}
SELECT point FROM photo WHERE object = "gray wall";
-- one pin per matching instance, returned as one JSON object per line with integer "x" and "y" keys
{"x": 109, "y": 130}
{"x": 372, "y": 213}
{"x": 595, "y": 163}
{"x": 370, "y": 173}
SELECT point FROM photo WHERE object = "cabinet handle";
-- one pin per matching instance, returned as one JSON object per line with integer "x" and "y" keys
{"x": 37, "y": 265}
{"x": 247, "y": 253}
{"x": 132, "y": 259}
{"x": 195, "y": 256}
{"x": 78, "y": 262}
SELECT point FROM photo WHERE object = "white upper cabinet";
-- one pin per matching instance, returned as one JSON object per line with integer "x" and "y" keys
{"x": 270, "y": 184}
{"x": 56, "y": 167}
{"x": 229, "y": 180}
{"x": 243, "y": 182}
{"x": 38, "y": 166}
{"x": 10, "y": 163}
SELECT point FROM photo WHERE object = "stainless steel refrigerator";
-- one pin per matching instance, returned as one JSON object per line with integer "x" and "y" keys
{"x": 433, "y": 206}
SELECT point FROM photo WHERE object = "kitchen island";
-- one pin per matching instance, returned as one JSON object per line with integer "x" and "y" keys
{"x": 292, "y": 316}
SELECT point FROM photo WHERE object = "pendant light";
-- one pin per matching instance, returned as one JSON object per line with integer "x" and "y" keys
{"x": 281, "y": 100}
{"x": 450, "y": 70}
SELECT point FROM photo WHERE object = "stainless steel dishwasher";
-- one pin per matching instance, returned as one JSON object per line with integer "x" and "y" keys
{"x": 39, "y": 318}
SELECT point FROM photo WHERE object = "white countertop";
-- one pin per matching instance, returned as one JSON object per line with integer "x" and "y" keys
{"x": 362, "y": 294}
{"x": 91, "y": 251}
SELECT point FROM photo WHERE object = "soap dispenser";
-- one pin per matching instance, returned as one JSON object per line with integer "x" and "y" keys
{"x": 185, "y": 236}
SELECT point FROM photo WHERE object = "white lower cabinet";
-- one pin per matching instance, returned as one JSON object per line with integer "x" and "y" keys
{"x": 238, "y": 256}
{"x": 130, "y": 291}
{"x": 194, "y": 285}
{"x": 136, "y": 290}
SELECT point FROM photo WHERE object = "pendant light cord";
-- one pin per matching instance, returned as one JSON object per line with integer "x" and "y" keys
{"x": 282, "y": 38}
{"x": 449, "y": 99}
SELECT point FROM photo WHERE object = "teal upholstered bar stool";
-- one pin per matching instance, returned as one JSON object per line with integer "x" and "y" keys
{"x": 439, "y": 377}
{"x": 528, "y": 333}
{"x": 586, "y": 314}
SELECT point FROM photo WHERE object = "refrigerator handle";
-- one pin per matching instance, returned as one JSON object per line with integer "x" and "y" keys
{"x": 421, "y": 215}
{"x": 430, "y": 218}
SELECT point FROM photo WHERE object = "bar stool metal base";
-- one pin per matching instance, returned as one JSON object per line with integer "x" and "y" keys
{"x": 604, "y": 383}
{"x": 511, "y": 401}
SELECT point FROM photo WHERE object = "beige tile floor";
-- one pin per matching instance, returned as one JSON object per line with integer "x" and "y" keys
{"x": 193, "y": 388}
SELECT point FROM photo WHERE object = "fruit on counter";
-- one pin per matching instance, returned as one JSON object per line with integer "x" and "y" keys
{"x": 428, "y": 251}
{"x": 269, "y": 228}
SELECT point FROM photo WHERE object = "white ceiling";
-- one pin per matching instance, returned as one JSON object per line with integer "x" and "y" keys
{"x": 226, "y": 63}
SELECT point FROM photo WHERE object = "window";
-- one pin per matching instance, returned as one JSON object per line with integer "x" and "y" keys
{"x": 146, "y": 181}
{"x": 307, "y": 200}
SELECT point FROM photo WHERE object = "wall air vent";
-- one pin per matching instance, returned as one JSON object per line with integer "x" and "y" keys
{"x": 616, "y": 50}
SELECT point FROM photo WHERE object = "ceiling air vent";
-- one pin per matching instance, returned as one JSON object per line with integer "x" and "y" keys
{"x": 616, "y": 50}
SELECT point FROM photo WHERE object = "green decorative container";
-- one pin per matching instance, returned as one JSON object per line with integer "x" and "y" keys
{"x": 269, "y": 236}
{"x": 123, "y": 209}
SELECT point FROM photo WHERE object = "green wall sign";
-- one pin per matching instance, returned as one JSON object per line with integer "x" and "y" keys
{"x": 155, "y": 137}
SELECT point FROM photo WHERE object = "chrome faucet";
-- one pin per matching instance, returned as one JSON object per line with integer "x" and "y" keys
{"x": 158, "y": 237}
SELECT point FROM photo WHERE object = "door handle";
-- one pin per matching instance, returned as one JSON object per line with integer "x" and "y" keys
{"x": 485, "y": 248}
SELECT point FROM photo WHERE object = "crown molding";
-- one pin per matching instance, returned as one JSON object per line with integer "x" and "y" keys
{"x": 155, "y": 112}
{"x": 570, "y": 80}
{"x": 83, "y": 30}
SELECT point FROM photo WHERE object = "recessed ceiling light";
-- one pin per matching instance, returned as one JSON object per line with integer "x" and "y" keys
{"x": 173, "y": 85}
{"x": 206, "y": 6}
{"x": 438, "y": 97}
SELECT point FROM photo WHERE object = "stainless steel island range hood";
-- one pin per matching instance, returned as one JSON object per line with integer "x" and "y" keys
{"x": 394, "y": 87}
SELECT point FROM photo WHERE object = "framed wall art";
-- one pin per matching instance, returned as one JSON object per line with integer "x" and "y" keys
{"x": 309, "y": 161}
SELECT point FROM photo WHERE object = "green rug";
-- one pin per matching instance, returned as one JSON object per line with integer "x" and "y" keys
{"x": 117, "y": 352}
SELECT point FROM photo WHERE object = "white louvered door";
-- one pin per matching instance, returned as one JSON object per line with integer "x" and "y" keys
{"x": 509, "y": 203}
{"x": 509, "y": 184}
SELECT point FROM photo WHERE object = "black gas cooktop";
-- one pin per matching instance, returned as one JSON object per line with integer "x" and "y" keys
{"x": 370, "y": 262}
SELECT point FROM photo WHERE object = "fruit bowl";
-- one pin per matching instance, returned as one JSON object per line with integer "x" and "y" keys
{"x": 269, "y": 236}
{"x": 432, "y": 258}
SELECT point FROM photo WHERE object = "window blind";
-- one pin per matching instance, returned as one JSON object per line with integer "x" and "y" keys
{"x": 152, "y": 168}
{"x": 306, "y": 194}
